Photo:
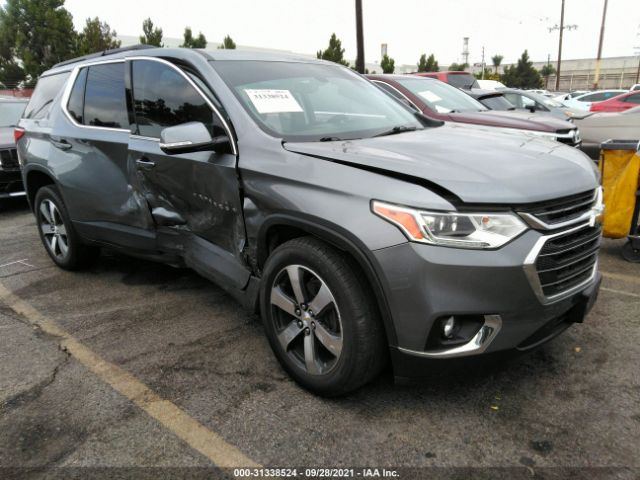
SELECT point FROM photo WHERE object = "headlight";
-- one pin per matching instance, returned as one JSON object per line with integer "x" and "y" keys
{"x": 461, "y": 230}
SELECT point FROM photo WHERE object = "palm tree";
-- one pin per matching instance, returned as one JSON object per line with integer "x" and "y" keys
{"x": 546, "y": 71}
{"x": 497, "y": 60}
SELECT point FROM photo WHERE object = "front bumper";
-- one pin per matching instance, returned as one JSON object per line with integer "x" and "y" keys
{"x": 11, "y": 184}
{"x": 424, "y": 283}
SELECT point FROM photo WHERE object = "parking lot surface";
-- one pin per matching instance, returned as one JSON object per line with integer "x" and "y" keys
{"x": 136, "y": 364}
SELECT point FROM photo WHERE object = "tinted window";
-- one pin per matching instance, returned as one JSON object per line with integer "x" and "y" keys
{"x": 164, "y": 98}
{"x": 390, "y": 90}
{"x": 462, "y": 80}
{"x": 75, "y": 106}
{"x": 497, "y": 102}
{"x": 46, "y": 90}
{"x": 633, "y": 98}
{"x": 104, "y": 104}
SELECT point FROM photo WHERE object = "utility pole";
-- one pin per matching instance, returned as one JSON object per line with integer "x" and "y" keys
{"x": 561, "y": 28}
{"x": 560, "y": 47}
{"x": 359, "y": 37}
{"x": 482, "y": 63}
{"x": 597, "y": 75}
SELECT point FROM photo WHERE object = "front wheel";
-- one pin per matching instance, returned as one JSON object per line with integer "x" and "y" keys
{"x": 57, "y": 233}
{"x": 323, "y": 326}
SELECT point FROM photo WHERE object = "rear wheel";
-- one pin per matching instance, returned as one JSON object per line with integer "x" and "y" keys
{"x": 57, "y": 233}
{"x": 321, "y": 323}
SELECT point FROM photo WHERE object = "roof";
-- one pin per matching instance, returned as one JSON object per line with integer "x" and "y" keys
{"x": 183, "y": 54}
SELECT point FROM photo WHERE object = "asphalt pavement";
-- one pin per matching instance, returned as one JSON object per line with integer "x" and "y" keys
{"x": 138, "y": 367}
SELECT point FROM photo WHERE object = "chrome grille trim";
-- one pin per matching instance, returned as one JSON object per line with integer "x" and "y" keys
{"x": 533, "y": 274}
{"x": 594, "y": 208}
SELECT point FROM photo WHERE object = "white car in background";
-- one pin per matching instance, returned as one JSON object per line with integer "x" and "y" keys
{"x": 601, "y": 126}
{"x": 635, "y": 87}
{"x": 584, "y": 101}
{"x": 490, "y": 85}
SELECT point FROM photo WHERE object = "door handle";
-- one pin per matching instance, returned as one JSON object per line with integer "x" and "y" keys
{"x": 145, "y": 163}
{"x": 60, "y": 143}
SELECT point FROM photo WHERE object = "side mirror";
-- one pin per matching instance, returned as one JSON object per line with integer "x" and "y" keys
{"x": 191, "y": 137}
{"x": 532, "y": 108}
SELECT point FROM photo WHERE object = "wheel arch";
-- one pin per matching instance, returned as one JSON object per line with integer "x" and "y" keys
{"x": 280, "y": 228}
{"x": 36, "y": 178}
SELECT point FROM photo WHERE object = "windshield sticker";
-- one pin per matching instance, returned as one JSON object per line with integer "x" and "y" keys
{"x": 273, "y": 101}
{"x": 429, "y": 96}
{"x": 441, "y": 109}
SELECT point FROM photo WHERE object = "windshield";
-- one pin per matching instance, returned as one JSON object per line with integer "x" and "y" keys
{"x": 10, "y": 113}
{"x": 462, "y": 80}
{"x": 440, "y": 97}
{"x": 497, "y": 102}
{"x": 313, "y": 102}
{"x": 546, "y": 101}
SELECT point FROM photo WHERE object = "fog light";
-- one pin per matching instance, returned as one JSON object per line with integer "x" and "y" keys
{"x": 448, "y": 327}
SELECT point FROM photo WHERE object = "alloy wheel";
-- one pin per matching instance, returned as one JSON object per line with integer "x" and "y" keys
{"x": 53, "y": 229}
{"x": 306, "y": 319}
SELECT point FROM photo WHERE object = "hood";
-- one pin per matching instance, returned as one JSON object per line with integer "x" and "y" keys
{"x": 475, "y": 165}
{"x": 6, "y": 137}
{"x": 530, "y": 121}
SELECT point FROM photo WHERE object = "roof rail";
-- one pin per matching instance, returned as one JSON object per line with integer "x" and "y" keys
{"x": 103, "y": 53}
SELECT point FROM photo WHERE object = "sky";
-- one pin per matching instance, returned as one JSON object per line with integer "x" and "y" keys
{"x": 409, "y": 27}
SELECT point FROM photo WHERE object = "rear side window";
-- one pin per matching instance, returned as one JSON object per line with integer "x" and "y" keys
{"x": 75, "y": 106}
{"x": 104, "y": 98}
{"x": 44, "y": 95}
{"x": 635, "y": 98}
{"x": 162, "y": 98}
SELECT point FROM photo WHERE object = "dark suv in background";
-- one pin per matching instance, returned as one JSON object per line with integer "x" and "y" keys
{"x": 356, "y": 227}
{"x": 10, "y": 179}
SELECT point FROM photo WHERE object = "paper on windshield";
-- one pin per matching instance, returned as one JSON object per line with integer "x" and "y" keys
{"x": 429, "y": 96}
{"x": 441, "y": 109}
{"x": 273, "y": 101}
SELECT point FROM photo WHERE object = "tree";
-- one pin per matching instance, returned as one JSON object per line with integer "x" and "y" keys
{"x": 334, "y": 53}
{"x": 96, "y": 37}
{"x": 522, "y": 75}
{"x": 496, "y": 60}
{"x": 227, "y": 44}
{"x": 458, "y": 67}
{"x": 34, "y": 35}
{"x": 427, "y": 64}
{"x": 189, "y": 42}
{"x": 546, "y": 71}
{"x": 151, "y": 35}
{"x": 387, "y": 64}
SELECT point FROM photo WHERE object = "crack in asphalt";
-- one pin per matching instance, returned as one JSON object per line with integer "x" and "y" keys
{"x": 34, "y": 392}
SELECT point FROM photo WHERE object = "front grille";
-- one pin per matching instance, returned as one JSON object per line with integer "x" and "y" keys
{"x": 9, "y": 159}
{"x": 566, "y": 261}
{"x": 562, "y": 209}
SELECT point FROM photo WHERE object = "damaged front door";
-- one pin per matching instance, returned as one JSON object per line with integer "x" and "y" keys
{"x": 194, "y": 194}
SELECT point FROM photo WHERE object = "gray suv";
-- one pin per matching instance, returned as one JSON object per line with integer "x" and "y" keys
{"x": 361, "y": 231}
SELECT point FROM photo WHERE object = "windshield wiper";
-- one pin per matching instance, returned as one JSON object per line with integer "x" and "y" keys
{"x": 396, "y": 130}
{"x": 330, "y": 139}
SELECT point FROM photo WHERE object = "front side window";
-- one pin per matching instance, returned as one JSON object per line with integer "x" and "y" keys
{"x": 105, "y": 104}
{"x": 440, "y": 97}
{"x": 497, "y": 102}
{"x": 312, "y": 102}
{"x": 45, "y": 93}
{"x": 162, "y": 98}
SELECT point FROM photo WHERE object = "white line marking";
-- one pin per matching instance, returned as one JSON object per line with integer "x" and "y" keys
{"x": 620, "y": 292}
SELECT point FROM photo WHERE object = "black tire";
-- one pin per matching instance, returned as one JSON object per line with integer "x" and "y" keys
{"x": 363, "y": 344}
{"x": 629, "y": 253}
{"x": 77, "y": 255}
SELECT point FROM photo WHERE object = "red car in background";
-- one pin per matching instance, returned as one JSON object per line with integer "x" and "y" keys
{"x": 457, "y": 79}
{"x": 620, "y": 103}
